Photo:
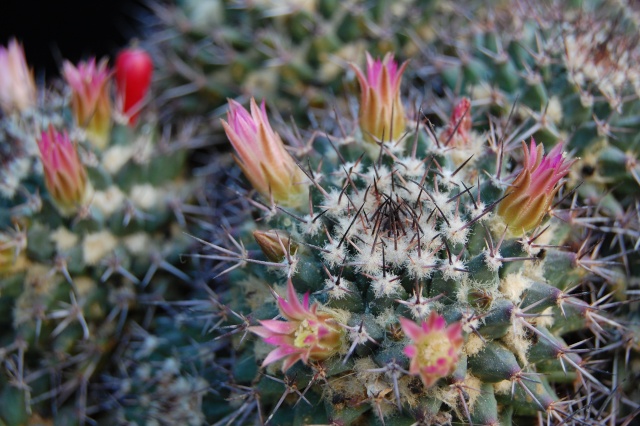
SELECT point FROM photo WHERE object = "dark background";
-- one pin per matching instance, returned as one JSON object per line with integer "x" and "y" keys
{"x": 53, "y": 30}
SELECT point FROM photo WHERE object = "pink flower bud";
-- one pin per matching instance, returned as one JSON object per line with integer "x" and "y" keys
{"x": 134, "y": 69}
{"x": 90, "y": 102}
{"x": 17, "y": 86}
{"x": 262, "y": 157}
{"x": 381, "y": 116}
{"x": 65, "y": 176}
{"x": 434, "y": 349}
{"x": 458, "y": 130}
{"x": 531, "y": 193}
{"x": 306, "y": 335}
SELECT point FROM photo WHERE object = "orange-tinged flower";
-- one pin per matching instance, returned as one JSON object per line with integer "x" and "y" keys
{"x": 381, "y": 115}
{"x": 262, "y": 157}
{"x": 306, "y": 335}
{"x": 65, "y": 176}
{"x": 532, "y": 192}
{"x": 435, "y": 347}
{"x": 90, "y": 100}
{"x": 17, "y": 86}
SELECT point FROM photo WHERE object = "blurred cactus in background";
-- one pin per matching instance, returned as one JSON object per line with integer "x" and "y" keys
{"x": 434, "y": 219}
{"x": 92, "y": 222}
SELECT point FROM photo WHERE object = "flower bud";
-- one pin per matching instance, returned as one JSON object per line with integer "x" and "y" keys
{"x": 262, "y": 157}
{"x": 134, "y": 69}
{"x": 458, "y": 131}
{"x": 17, "y": 86}
{"x": 65, "y": 176}
{"x": 90, "y": 100}
{"x": 531, "y": 193}
{"x": 381, "y": 115}
{"x": 274, "y": 244}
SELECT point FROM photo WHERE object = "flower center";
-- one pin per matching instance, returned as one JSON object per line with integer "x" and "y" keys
{"x": 303, "y": 332}
{"x": 432, "y": 348}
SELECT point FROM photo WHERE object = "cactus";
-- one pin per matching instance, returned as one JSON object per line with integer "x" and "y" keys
{"x": 92, "y": 215}
{"x": 462, "y": 249}
{"x": 434, "y": 280}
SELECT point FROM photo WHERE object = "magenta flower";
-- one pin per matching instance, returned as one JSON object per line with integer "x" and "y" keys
{"x": 381, "y": 112}
{"x": 458, "y": 130}
{"x": 90, "y": 100}
{"x": 65, "y": 176}
{"x": 305, "y": 335}
{"x": 531, "y": 193}
{"x": 262, "y": 156}
{"x": 17, "y": 86}
{"x": 435, "y": 347}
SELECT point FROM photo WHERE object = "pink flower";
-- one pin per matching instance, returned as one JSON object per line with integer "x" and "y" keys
{"x": 90, "y": 102}
{"x": 262, "y": 156}
{"x": 305, "y": 335}
{"x": 435, "y": 347}
{"x": 65, "y": 177}
{"x": 458, "y": 130}
{"x": 17, "y": 87}
{"x": 532, "y": 192}
{"x": 381, "y": 116}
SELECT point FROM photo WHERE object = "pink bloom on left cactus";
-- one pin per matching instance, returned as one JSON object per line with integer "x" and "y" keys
{"x": 306, "y": 335}
{"x": 90, "y": 100}
{"x": 381, "y": 116}
{"x": 17, "y": 86}
{"x": 434, "y": 349}
{"x": 531, "y": 193}
{"x": 458, "y": 131}
{"x": 262, "y": 156}
{"x": 65, "y": 176}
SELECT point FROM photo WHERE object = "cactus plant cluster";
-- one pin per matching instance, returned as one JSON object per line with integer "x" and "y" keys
{"x": 433, "y": 269}
{"x": 454, "y": 241}
{"x": 445, "y": 275}
{"x": 92, "y": 219}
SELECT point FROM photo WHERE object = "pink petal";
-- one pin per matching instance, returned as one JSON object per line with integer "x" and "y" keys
{"x": 411, "y": 329}
{"x": 280, "y": 327}
{"x": 277, "y": 354}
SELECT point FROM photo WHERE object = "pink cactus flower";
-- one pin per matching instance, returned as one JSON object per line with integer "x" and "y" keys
{"x": 90, "y": 100}
{"x": 17, "y": 86}
{"x": 458, "y": 130}
{"x": 435, "y": 347}
{"x": 262, "y": 157}
{"x": 531, "y": 193}
{"x": 65, "y": 176}
{"x": 306, "y": 335}
{"x": 381, "y": 116}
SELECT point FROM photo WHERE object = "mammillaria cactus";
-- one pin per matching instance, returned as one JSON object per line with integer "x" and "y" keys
{"x": 402, "y": 262}
{"x": 88, "y": 229}
{"x": 437, "y": 283}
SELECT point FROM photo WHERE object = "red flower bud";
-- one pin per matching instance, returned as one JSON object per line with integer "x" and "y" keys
{"x": 133, "y": 77}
